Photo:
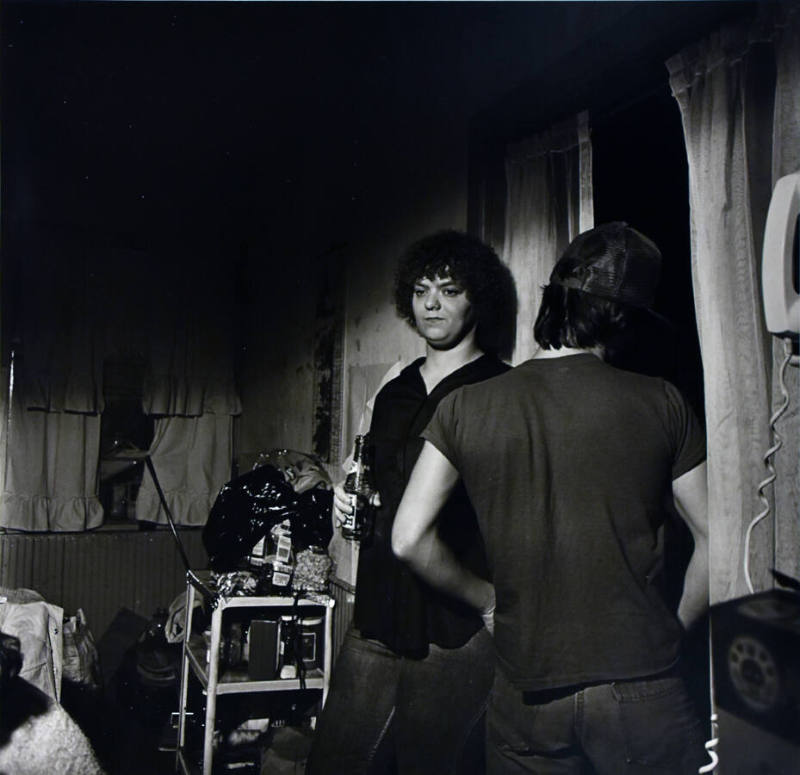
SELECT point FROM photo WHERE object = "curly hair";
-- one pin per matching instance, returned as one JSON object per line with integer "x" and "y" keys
{"x": 473, "y": 265}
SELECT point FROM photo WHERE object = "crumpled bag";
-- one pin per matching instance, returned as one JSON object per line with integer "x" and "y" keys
{"x": 248, "y": 507}
{"x": 176, "y": 618}
{"x": 81, "y": 659}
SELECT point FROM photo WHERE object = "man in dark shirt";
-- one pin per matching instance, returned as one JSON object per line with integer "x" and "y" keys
{"x": 413, "y": 676}
{"x": 570, "y": 480}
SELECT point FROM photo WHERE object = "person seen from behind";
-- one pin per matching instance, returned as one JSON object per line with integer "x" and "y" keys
{"x": 573, "y": 466}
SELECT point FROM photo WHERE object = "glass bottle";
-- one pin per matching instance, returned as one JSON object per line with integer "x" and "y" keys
{"x": 358, "y": 525}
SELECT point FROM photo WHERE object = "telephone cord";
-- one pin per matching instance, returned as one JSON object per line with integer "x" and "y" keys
{"x": 713, "y": 741}
{"x": 770, "y": 453}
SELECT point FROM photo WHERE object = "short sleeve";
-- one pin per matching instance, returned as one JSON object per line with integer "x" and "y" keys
{"x": 688, "y": 435}
{"x": 442, "y": 430}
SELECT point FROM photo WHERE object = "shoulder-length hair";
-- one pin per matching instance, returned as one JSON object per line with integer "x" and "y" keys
{"x": 572, "y": 318}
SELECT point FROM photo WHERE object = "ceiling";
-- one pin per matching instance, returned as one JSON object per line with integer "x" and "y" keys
{"x": 120, "y": 113}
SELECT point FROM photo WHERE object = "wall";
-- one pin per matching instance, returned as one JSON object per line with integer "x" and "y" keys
{"x": 360, "y": 194}
{"x": 312, "y": 146}
{"x": 402, "y": 198}
{"x": 398, "y": 169}
{"x": 371, "y": 178}
{"x": 101, "y": 573}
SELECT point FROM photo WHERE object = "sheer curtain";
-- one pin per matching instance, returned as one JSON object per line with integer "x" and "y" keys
{"x": 549, "y": 202}
{"x": 725, "y": 88}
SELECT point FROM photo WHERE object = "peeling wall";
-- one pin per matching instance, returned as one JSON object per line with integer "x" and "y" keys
{"x": 278, "y": 367}
{"x": 412, "y": 194}
{"x": 411, "y": 190}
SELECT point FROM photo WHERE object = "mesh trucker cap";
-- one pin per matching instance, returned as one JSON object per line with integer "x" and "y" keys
{"x": 613, "y": 261}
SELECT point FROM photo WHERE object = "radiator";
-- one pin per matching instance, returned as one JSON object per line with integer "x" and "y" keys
{"x": 345, "y": 596}
{"x": 101, "y": 572}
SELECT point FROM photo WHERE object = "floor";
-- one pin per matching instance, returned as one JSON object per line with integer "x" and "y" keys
{"x": 129, "y": 721}
{"x": 128, "y": 726}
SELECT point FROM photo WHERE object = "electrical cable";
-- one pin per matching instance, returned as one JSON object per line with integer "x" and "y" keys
{"x": 789, "y": 357}
{"x": 295, "y": 642}
{"x": 713, "y": 741}
{"x": 778, "y": 443}
{"x": 9, "y": 412}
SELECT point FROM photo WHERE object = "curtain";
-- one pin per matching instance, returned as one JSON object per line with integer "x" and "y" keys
{"x": 786, "y": 160}
{"x": 50, "y": 472}
{"x": 549, "y": 202}
{"x": 189, "y": 387}
{"x": 724, "y": 86}
{"x": 74, "y": 301}
{"x": 52, "y": 390}
{"x": 192, "y": 459}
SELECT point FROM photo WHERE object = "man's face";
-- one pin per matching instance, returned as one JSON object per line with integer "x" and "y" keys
{"x": 442, "y": 311}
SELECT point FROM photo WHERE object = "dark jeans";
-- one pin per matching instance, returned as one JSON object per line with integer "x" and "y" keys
{"x": 386, "y": 713}
{"x": 641, "y": 727}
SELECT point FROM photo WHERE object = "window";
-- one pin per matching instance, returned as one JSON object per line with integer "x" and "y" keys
{"x": 124, "y": 426}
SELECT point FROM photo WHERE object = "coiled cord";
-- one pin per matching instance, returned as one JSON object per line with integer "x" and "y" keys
{"x": 778, "y": 443}
{"x": 713, "y": 741}
{"x": 711, "y": 745}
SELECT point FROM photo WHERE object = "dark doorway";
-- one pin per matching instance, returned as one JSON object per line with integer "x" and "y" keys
{"x": 640, "y": 176}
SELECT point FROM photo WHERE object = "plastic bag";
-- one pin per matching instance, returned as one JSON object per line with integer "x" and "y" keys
{"x": 81, "y": 660}
{"x": 250, "y": 505}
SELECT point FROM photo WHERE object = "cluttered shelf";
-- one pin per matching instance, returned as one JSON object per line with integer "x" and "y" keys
{"x": 234, "y": 681}
{"x": 239, "y": 642}
{"x": 244, "y": 677}
{"x": 223, "y": 586}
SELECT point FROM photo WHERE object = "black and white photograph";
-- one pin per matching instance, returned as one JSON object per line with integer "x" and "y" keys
{"x": 399, "y": 388}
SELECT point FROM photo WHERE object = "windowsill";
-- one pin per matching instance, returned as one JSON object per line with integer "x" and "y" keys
{"x": 136, "y": 527}
{"x": 106, "y": 527}
{"x": 120, "y": 527}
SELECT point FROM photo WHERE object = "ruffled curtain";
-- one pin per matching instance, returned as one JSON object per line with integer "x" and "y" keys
{"x": 192, "y": 458}
{"x": 52, "y": 392}
{"x": 549, "y": 202}
{"x": 189, "y": 389}
{"x": 50, "y": 477}
{"x": 726, "y": 89}
{"x": 75, "y": 303}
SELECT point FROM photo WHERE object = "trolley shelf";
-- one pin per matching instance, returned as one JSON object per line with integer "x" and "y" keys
{"x": 202, "y": 662}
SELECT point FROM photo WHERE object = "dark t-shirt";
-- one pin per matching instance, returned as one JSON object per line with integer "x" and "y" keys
{"x": 392, "y": 604}
{"x": 569, "y": 463}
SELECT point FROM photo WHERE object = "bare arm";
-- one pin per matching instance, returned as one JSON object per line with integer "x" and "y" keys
{"x": 415, "y": 539}
{"x": 690, "y": 492}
